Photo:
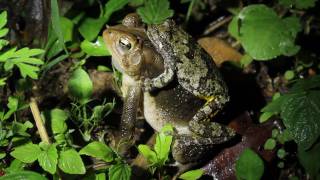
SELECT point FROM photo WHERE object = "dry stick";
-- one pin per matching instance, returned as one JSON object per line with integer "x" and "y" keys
{"x": 39, "y": 123}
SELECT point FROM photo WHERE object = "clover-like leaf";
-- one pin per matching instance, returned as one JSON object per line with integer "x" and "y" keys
{"x": 155, "y": 11}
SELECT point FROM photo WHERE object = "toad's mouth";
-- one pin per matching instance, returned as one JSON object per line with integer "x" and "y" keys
{"x": 122, "y": 70}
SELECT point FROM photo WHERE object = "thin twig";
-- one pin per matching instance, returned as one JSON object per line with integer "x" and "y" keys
{"x": 37, "y": 118}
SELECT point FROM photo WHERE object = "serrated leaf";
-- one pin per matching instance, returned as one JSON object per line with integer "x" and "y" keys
{"x": 80, "y": 85}
{"x": 249, "y": 166}
{"x": 98, "y": 150}
{"x": 300, "y": 113}
{"x": 192, "y": 175}
{"x": 70, "y": 162}
{"x": 259, "y": 23}
{"x": 150, "y": 155}
{"x": 23, "y": 175}
{"x": 28, "y": 70}
{"x": 155, "y": 11}
{"x": 163, "y": 143}
{"x": 48, "y": 159}
{"x": 97, "y": 48}
{"x": 119, "y": 172}
{"x": 58, "y": 118}
{"x": 27, "y": 153}
{"x": 26, "y": 52}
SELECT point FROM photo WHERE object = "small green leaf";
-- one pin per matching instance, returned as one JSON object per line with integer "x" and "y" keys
{"x": 23, "y": 175}
{"x": 70, "y": 162}
{"x": 119, "y": 172}
{"x": 104, "y": 68}
{"x": 90, "y": 27}
{"x": 66, "y": 28}
{"x": 163, "y": 143}
{"x": 192, "y": 175}
{"x": 13, "y": 104}
{"x": 27, "y": 153}
{"x": 289, "y": 75}
{"x": 2, "y": 155}
{"x": 97, "y": 48}
{"x": 80, "y": 86}
{"x": 281, "y": 153}
{"x": 150, "y": 155}
{"x": 265, "y": 116}
{"x": 48, "y": 159}
{"x": 270, "y": 144}
{"x": 3, "y": 19}
{"x": 15, "y": 166}
{"x": 249, "y": 166}
{"x": 58, "y": 118}
{"x": 3, "y": 32}
{"x": 246, "y": 60}
{"x": 155, "y": 11}
{"x": 3, "y": 81}
{"x": 300, "y": 4}
{"x": 98, "y": 150}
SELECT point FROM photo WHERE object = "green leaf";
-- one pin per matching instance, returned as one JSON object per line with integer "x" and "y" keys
{"x": 15, "y": 166}
{"x": 3, "y": 43}
{"x": 310, "y": 160}
{"x": 265, "y": 116}
{"x": 90, "y": 27}
{"x": 28, "y": 70}
{"x": 305, "y": 4}
{"x": 150, "y": 155}
{"x": 66, "y": 28}
{"x": 270, "y": 144}
{"x": 192, "y": 175}
{"x": 249, "y": 166}
{"x": 13, "y": 104}
{"x": 300, "y": 113}
{"x": 306, "y": 84}
{"x": 289, "y": 75}
{"x": 259, "y": 23}
{"x": 2, "y": 155}
{"x": 70, "y": 162}
{"x": 3, "y": 32}
{"x": 27, "y": 153}
{"x": 155, "y": 11}
{"x": 3, "y": 81}
{"x": 23, "y": 175}
{"x": 103, "y": 68}
{"x": 3, "y": 19}
{"x": 97, "y": 48}
{"x": 98, "y": 150}
{"x": 80, "y": 85}
{"x": 48, "y": 159}
{"x": 58, "y": 118}
{"x": 119, "y": 172}
{"x": 281, "y": 153}
{"x": 163, "y": 143}
{"x": 246, "y": 60}
{"x": 55, "y": 22}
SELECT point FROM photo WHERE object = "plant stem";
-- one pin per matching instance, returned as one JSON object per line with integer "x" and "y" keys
{"x": 39, "y": 123}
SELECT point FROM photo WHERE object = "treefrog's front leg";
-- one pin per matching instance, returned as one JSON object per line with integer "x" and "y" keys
{"x": 169, "y": 60}
{"x": 129, "y": 115}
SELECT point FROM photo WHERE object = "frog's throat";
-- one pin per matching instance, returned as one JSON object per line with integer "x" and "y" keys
{"x": 117, "y": 65}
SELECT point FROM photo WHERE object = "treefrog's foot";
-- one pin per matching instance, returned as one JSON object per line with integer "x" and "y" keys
{"x": 207, "y": 129}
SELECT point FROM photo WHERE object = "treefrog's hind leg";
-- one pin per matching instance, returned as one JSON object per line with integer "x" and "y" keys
{"x": 200, "y": 123}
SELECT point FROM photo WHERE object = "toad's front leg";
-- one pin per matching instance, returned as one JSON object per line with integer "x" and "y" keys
{"x": 129, "y": 115}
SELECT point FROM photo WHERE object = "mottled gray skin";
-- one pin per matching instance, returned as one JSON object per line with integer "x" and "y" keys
{"x": 182, "y": 86}
{"x": 195, "y": 71}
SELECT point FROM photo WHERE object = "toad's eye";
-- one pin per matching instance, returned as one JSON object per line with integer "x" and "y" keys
{"x": 124, "y": 44}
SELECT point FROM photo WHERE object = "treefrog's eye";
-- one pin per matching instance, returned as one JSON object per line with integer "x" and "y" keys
{"x": 124, "y": 44}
